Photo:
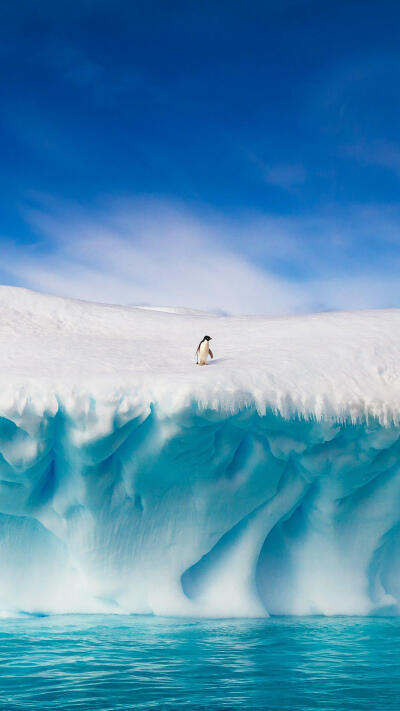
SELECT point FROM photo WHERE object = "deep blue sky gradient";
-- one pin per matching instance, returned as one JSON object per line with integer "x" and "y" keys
{"x": 277, "y": 110}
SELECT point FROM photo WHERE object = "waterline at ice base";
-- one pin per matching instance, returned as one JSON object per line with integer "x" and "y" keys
{"x": 133, "y": 481}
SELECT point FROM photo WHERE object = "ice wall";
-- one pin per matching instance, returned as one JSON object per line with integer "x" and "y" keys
{"x": 132, "y": 480}
{"x": 117, "y": 506}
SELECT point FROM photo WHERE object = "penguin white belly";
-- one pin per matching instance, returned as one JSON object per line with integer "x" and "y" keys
{"x": 203, "y": 353}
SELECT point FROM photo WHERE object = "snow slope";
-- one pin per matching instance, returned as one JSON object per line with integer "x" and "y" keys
{"x": 132, "y": 480}
{"x": 343, "y": 364}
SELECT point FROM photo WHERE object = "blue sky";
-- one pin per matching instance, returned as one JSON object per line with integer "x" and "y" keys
{"x": 226, "y": 155}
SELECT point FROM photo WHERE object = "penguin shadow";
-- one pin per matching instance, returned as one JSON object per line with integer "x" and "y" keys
{"x": 215, "y": 361}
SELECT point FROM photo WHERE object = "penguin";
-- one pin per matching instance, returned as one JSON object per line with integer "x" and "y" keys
{"x": 203, "y": 351}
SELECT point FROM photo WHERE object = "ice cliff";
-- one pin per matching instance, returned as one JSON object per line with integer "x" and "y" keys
{"x": 132, "y": 480}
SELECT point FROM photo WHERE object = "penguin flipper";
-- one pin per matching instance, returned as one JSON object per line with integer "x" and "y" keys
{"x": 210, "y": 353}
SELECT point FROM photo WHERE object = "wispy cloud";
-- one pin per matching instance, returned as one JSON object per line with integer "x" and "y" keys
{"x": 383, "y": 154}
{"x": 152, "y": 252}
{"x": 287, "y": 176}
{"x": 79, "y": 69}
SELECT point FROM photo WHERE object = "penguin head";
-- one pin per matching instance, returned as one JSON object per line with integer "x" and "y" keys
{"x": 207, "y": 338}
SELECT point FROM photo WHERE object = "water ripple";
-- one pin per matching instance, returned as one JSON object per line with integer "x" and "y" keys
{"x": 120, "y": 663}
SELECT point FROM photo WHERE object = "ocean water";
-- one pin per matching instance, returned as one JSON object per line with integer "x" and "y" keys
{"x": 113, "y": 662}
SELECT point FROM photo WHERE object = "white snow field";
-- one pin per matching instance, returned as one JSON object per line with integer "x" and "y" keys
{"x": 132, "y": 480}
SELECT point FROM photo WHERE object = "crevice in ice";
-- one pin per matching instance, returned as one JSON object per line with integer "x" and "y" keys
{"x": 196, "y": 578}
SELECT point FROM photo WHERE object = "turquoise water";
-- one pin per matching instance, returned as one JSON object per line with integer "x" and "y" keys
{"x": 109, "y": 663}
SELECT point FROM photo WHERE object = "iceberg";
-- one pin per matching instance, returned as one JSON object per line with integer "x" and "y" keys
{"x": 133, "y": 481}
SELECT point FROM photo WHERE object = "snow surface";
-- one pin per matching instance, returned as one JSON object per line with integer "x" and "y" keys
{"x": 342, "y": 364}
{"x": 132, "y": 480}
